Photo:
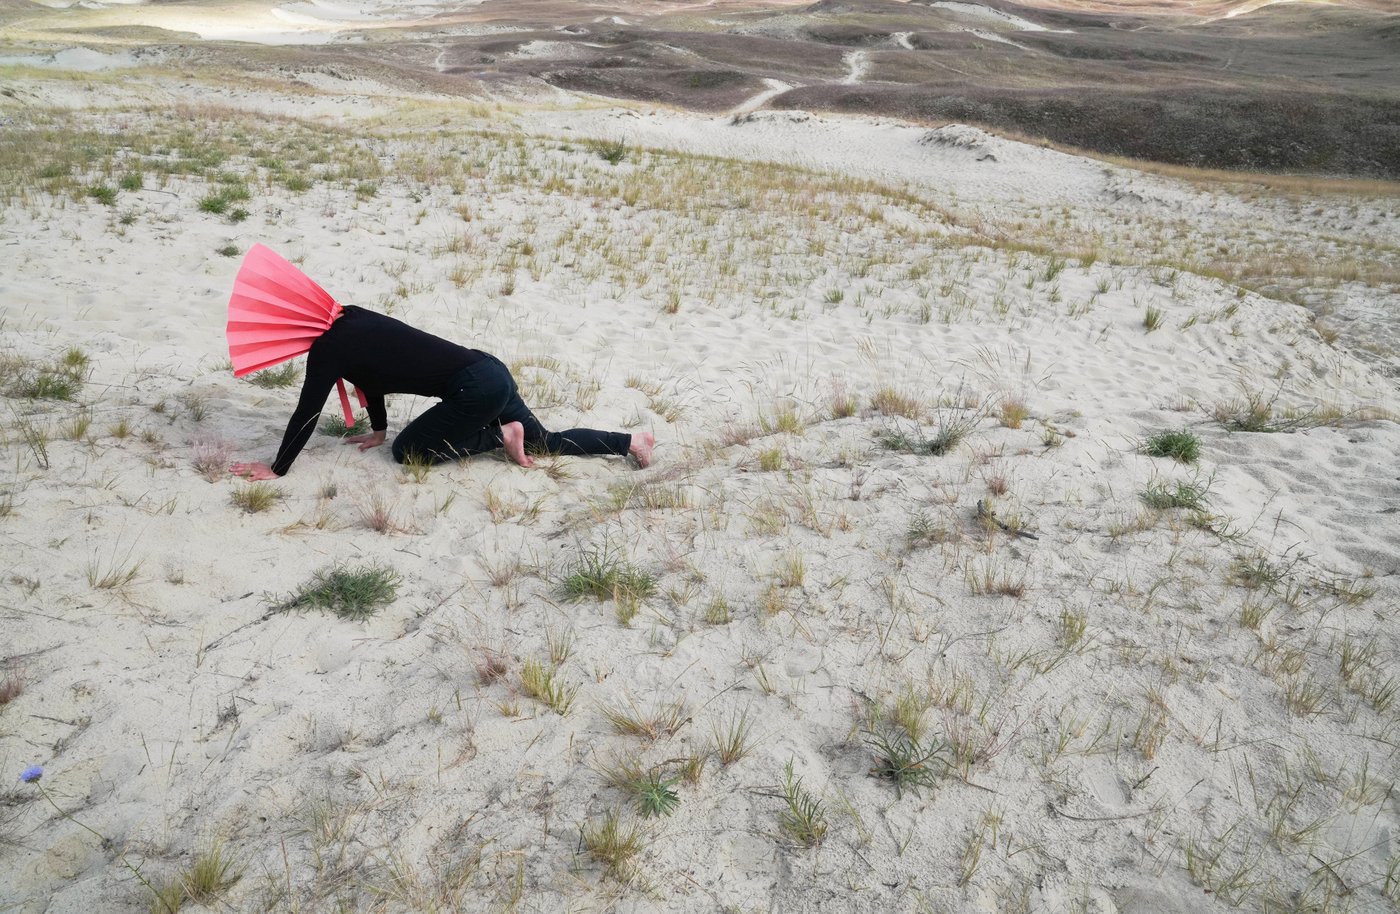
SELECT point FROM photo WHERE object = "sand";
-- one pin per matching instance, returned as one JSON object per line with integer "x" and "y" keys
{"x": 1128, "y": 708}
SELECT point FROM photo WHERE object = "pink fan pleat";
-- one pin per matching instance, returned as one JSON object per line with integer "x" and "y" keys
{"x": 275, "y": 313}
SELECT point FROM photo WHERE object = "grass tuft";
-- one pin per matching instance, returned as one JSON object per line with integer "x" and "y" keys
{"x": 612, "y": 844}
{"x": 732, "y": 738}
{"x": 285, "y": 375}
{"x": 1180, "y": 445}
{"x": 538, "y": 680}
{"x": 903, "y": 761}
{"x": 603, "y": 574}
{"x": 257, "y": 498}
{"x": 350, "y": 593}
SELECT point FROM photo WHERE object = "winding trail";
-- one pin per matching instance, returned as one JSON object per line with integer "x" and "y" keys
{"x": 775, "y": 88}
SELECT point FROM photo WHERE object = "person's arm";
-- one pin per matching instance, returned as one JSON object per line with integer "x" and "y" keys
{"x": 378, "y": 423}
{"x": 320, "y": 378}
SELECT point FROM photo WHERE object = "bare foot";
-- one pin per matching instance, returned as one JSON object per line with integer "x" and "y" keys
{"x": 642, "y": 443}
{"x": 513, "y": 440}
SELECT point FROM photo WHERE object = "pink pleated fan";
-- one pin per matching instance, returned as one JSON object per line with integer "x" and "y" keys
{"x": 275, "y": 313}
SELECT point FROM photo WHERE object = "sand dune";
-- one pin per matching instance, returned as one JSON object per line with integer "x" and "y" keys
{"x": 903, "y": 382}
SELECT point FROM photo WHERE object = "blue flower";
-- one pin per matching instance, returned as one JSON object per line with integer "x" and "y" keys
{"x": 31, "y": 774}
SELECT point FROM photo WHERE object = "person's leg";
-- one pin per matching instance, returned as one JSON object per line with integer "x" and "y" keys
{"x": 461, "y": 425}
{"x": 576, "y": 442}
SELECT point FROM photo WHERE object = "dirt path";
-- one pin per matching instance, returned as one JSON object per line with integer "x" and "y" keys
{"x": 775, "y": 88}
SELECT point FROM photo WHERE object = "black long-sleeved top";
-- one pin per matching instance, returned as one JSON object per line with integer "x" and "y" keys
{"x": 379, "y": 355}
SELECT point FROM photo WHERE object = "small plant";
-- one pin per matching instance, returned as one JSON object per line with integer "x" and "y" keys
{"x": 209, "y": 874}
{"x": 889, "y": 401}
{"x": 902, "y": 760}
{"x": 113, "y": 574}
{"x": 1162, "y": 496}
{"x": 491, "y": 667}
{"x": 770, "y": 459}
{"x": 285, "y": 375}
{"x": 216, "y": 204}
{"x": 611, "y": 844}
{"x": 228, "y": 250}
{"x": 416, "y": 467}
{"x": 926, "y": 530}
{"x": 350, "y": 593}
{"x": 652, "y": 789}
{"x": 655, "y": 796}
{"x": 791, "y": 570}
{"x": 210, "y": 457}
{"x": 103, "y": 193}
{"x": 335, "y": 426}
{"x": 804, "y": 819}
{"x": 717, "y": 612}
{"x": 11, "y": 687}
{"x": 602, "y": 574}
{"x": 1013, "y": 412}
{"x": 843, "y": 404}
{"x": 1152, "y": 318}
{"x": 732, "y": 738}
{"x": 538, "y": 681}
{"x": 1181, "y": 445}
{"x": 610, "y": 151}
{"x": 256, "y": 498}
{"x": 665, "y": 719}
{"x": 132, "y": 180}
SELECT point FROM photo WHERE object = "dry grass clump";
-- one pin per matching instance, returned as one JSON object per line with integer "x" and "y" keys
{"x": 890, "y": 401}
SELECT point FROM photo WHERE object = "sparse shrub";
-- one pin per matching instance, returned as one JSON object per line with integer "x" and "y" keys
{"x": 1180, "y": 445}
{"x": 216, "y": 204}
{"x": 351, "y": 593}
{"x": 1152, "y": 318}
{"x": 132, "y": 180}
{"x": 610, "y": 151}
{"x": 228, "y": 250}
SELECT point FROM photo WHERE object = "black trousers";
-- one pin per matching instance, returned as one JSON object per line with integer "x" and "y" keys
{"x": 468, "y": 421}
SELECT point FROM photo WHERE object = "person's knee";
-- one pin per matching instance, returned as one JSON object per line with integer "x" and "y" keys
{"x": 399, "y": 449}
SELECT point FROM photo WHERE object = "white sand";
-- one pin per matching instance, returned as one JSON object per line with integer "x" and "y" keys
{"x": 360, "y": 765}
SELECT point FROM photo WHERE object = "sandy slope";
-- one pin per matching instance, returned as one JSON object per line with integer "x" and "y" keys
{"x": 1154, "y": 755}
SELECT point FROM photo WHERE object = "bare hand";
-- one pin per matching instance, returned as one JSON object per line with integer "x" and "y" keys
{"x": 373, "y": 439}
{"x": 254, "y": 470}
